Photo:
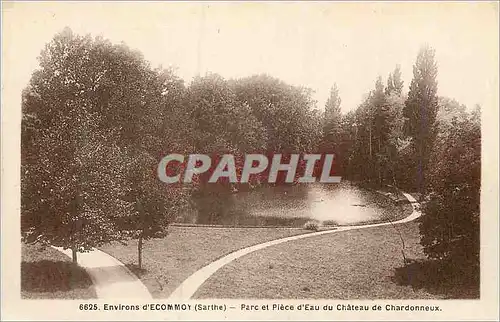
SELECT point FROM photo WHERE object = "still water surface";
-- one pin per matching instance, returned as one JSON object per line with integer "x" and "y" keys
{"x": 337, "y": 204}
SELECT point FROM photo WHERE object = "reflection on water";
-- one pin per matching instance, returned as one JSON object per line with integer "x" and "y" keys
{"x": 338, "y": 204}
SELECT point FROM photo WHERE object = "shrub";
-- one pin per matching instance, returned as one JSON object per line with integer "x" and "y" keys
{"x": 330, "y": 223}
{"x": 311, "y": 225}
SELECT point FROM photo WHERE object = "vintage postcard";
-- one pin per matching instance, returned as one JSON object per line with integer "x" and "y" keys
{"x": 250, "y": 160}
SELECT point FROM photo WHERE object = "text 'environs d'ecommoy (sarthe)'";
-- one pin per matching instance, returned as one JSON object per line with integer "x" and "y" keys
{"x": 162, "y": 307}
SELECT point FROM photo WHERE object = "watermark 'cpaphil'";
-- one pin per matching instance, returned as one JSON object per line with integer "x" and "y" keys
{"x": 287, "y": 168}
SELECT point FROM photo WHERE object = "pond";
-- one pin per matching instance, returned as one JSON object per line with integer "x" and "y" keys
{"x": 293, "y": 206}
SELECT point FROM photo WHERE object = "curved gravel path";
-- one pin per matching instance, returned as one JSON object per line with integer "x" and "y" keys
{"x": 111, "y": 278}
{"x": 187, "y": 289}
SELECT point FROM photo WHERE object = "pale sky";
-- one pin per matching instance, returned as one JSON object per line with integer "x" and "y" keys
{"x": 310, "y": 44}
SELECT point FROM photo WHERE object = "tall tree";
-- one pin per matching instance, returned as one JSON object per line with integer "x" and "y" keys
{"x": 156, "y": 127}
{"x": 397, "y": 81}
{"x": 397, "y": 142}
{"x": 96, "y": 120}
{"x": 420, "y": 111}
{"x": 286, "y": 112}
{"x": 450, "y": 228}
{"x": 373, "y": 136}
{"x": 394, "y": 82}
{"x": 219, "y": 124}
{"x": 73, "y": 179}
{"x": 381, "y": 128}
{"x": 390, "y": 85}
{"x": 333, "y": 117}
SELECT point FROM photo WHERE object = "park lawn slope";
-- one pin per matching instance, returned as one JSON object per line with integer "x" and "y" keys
{"x": 358, "y": 264}
{"x": 168, "y": 261}
{"x": 48, "y": 274}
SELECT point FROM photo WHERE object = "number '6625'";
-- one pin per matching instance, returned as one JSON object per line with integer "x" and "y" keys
{"x": 88, "y": 307}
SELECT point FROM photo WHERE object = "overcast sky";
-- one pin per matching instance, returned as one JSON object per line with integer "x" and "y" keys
{"x": 310, "y": 44}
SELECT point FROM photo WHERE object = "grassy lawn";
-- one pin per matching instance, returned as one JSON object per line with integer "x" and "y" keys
{"x": 169, "y": 261}
{"x": 49, "y": 274}
{"x": 358, "y": 264}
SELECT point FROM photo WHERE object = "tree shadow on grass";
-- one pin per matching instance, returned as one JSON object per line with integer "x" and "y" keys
{"x": 440, "y": 278}
{"x": 53, "y": 276}
{"x": 139, "y": 272}
{"x": 153, "y": 283}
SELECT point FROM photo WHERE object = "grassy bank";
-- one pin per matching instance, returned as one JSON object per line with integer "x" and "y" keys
{"x": 169, "y": 261}
{"x": 49, "y": 274}
{"x": 358, "y": 264}
{"x": 390, "y": 203}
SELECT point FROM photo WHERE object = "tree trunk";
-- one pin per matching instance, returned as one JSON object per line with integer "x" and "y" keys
{"x": 393, "y": 169}
{"x": 141, "y": 235}
{"x": 370, "y": 142}
{"x": 74, "y": 255}
{"x": 139, "y": 250}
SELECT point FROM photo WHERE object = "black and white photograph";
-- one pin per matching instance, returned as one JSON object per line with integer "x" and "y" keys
{"x": 180, "y": 160}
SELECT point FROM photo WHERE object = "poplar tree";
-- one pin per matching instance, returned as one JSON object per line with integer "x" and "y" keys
{"x": 420, "y": 111}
